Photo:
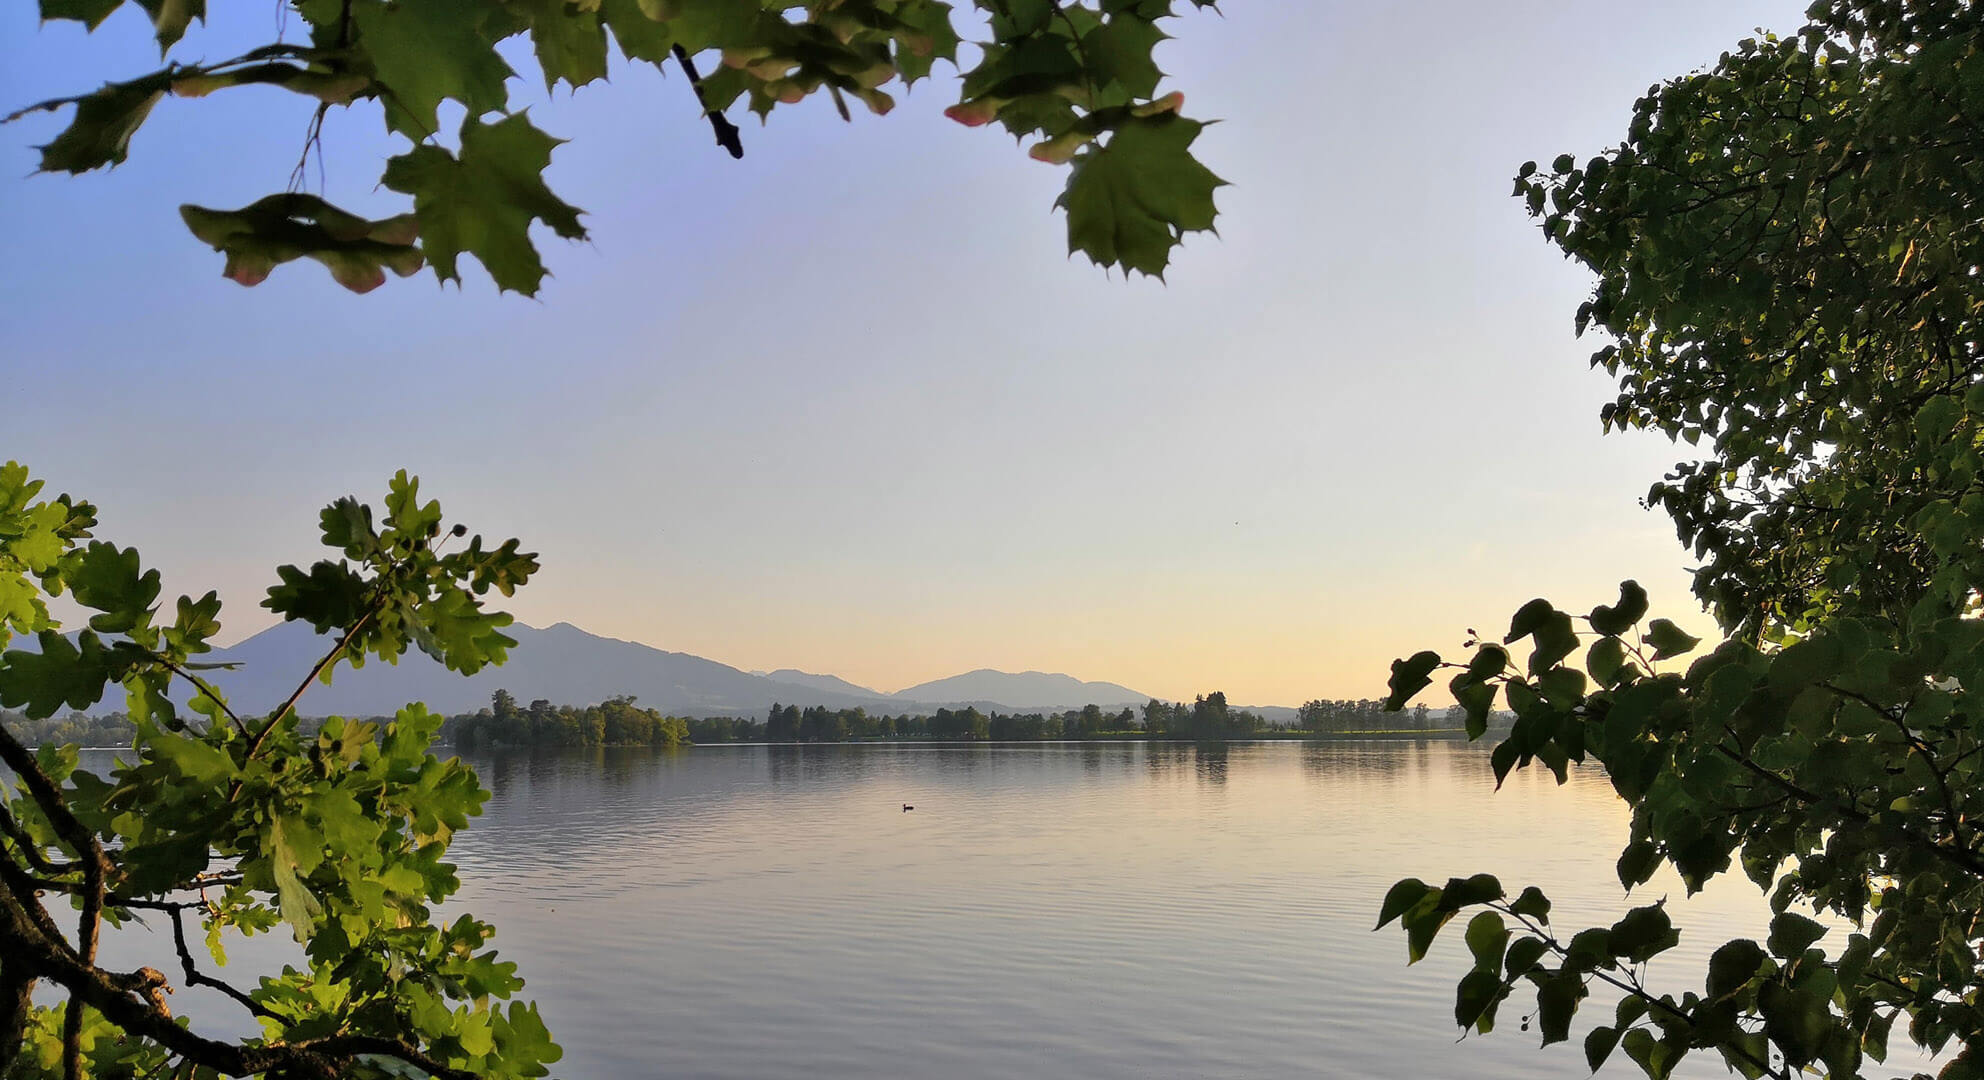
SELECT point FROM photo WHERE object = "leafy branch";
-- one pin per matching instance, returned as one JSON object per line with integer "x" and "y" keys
{"x": 1079, "y": 77}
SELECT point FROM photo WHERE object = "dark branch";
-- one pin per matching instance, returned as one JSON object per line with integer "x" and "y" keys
{"x": 195, "y": 978}
{"x": 726, "y": 132}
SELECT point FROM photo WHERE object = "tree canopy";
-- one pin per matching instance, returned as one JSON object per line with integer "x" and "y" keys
{"x": 244, "y": 824}
{"x": 1076, "y": 78}
{"x": 1786, "y": 248}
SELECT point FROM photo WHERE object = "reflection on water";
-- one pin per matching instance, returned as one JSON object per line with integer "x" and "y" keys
{"x": 1114, "y": 910}
{"x": 1094, "y": 910}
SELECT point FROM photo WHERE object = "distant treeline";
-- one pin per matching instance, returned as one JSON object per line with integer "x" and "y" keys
{"x": 1341, "y": 717}
{"x": 613, "y": 722}
{"x": 1205, "y": 718}
{"x": 619, "y": 722}
{"x": 111, "y": 729}
{"x": 616, "y": 721}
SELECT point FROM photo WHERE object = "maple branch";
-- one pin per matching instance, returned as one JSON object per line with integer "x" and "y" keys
{"x": 726, "y": 132}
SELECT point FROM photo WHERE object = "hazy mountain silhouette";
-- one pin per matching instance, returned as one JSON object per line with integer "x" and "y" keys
{"x": 568, "y": 666}
{"x": 832, "y": 683}
{"x": 1026, "y": 690}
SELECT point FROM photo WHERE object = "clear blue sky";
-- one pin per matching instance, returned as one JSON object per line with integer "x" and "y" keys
{"x": 845, "y": 405}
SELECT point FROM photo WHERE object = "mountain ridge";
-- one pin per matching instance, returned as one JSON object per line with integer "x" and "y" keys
{"x": 566, "y": 664}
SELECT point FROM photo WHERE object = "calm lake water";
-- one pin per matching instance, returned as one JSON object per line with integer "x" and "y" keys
{"x": 1105, "y": 911}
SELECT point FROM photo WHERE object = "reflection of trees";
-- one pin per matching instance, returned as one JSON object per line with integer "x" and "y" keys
{"x": 817, "y": 763}
{"x": 1393, "y": 757}
{"x": 1210, "y": 761}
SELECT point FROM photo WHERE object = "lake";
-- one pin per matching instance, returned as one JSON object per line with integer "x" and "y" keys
{"x": 1106, "y": 911}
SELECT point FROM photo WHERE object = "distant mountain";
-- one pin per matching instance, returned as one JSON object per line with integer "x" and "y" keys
{"x": 568, "y": 666}
{"x": 1027, "y": 690}
{"x": 832, "y": 683}
{"x": 561, "y": 663}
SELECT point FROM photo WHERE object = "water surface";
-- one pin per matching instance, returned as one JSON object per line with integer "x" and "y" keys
{"x": 1102, "y": 911}
{"x": 1111, "y": 910}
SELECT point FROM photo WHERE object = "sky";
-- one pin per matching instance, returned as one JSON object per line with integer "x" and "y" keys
{"x": 846, "y": 405}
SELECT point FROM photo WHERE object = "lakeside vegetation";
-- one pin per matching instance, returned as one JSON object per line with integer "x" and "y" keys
{"x": 618, "y": 721}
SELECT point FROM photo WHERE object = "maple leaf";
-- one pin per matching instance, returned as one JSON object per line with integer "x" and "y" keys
{"x": 639, "y": 37}
{"x": 90, "y": 13}
{"x": 1119, "y": 51}
{"x": 170, "y": 18}
{"x": 100, "y": 132}
{"x": 1130, "y": 201}
{"x": 570, "y": 44}
{"x": 483, "y": 202}
{"x": 429, "y": 52}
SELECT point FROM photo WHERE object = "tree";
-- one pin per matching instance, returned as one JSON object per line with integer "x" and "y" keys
{"x": 1075, "y": 77}
{"x": 1209, "y": 718}
{"x": 1787, "y": 267}
{"x": 241, "y": 823}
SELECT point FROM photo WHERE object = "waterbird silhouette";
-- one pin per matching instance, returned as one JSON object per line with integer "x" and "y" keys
{"x": 906, "y": 808}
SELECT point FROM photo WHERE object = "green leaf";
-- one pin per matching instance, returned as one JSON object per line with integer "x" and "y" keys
{"x": 485, "y": 201}
{"x": 1638, "y": 862}
{"x": 1557, "y": 1000}
{"x": 62, "y": 673}
{"x": 1555, "y": 640}
{"x": 1669, "y": 640}
{"x": 1023, "y": 17}
{"x": 331, "y": 596}
{"x": 1652, "y": 1056}
{"x": 100, "y": 133}
{"x": 1523, "y": 955}
{"x": 1622, "y": 616}
{"x": 1643, "y": 933}
{"x": 1119, "y": 52}
{"x": 170, "y": 18}
{"x": 1409, "y": 676}
{"x": 1475, "y": 1000}
{"x": 428, "y": 52}
{"x": 1807, "y": 662}
{"x": 1533, "y": 904}
{"x": 639, "y": 37}
{"x": 1791, "y": 934}
{"x": 1605, "y": 660}
{"x": 195, "y": 760}
{"x": 570, "y": 42}
{"x": 454, "y": 629}
{"x": 1733, "y": 966}
{"x": 1528, "y": 619}
{"x": 1463, "y": 892}
{"x": 90, "y": 13}
{"x": 1400, "y": 899}
{"x": 1133, "y": 200}
{"x": 1478, "y": 699}
{"x": 1422, "y": 924}
{"x": 300, "y": 908}
{"x": 929, "y": 37}
{"x": 113, "y": 582}
{"x": 1487, "y": 939}
{"x": 1489, "y": 661}
{"x": 1598, "y": 1045}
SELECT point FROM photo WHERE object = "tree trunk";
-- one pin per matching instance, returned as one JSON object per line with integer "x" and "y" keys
{"x": 16, "y": 988}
